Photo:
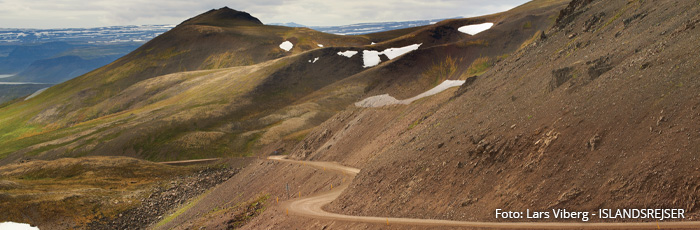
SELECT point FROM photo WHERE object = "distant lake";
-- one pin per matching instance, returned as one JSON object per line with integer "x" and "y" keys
{"x": 21, "y": 83}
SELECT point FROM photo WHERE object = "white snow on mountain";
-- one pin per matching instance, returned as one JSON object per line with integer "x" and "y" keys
{"x": 385, "y": 99}
{"x": 476, "y": 28}
{"x": 286, "y": 45}
{"x": 371, "y": 57}
{"x": 392, "y": 53}
{"x": 348, "y": 53}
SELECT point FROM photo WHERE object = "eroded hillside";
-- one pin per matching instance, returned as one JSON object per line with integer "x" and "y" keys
{"x": 600, "y": 111}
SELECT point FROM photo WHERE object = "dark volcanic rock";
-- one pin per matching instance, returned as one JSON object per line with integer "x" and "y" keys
{"x": 164, "y": 199}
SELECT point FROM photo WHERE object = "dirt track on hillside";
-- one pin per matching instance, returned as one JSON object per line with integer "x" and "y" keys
{"x": 312, "y": 207}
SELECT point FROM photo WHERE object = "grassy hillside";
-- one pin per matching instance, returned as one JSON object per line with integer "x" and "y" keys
{"x": 84, "y": 104}
{"x": 246, "y": 93}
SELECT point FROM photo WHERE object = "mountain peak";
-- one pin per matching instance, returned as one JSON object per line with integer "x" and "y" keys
{"x": 223, "y": 17}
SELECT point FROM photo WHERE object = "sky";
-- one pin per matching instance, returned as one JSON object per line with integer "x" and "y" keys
{"x": 97, "y": 13}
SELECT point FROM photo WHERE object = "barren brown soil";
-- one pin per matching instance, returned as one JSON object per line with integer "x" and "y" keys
{"x": 312, "y": 207}
{"x": 601, "y": 112}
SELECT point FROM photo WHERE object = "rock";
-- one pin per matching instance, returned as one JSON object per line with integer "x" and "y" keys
{"x": 440, "y": 145}
{"x": 469, "y": 202}
{"x": 160, "y": 201}
{"x": 588, "y": 25}
{"x": 593, "y": 142}
{"x": 661, "y": 119}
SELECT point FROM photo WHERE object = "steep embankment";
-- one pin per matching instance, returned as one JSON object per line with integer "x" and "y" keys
{"x": 600, "y": 111}
{"x": 312, "y": 207}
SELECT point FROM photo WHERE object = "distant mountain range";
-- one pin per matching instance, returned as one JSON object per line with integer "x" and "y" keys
{"x": 365, "y": 28}
{"x": 111, "y": 34}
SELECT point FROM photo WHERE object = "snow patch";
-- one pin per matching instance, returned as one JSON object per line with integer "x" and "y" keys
{"x": 313, "y": 61}
{"x": 36, "y": 93}
{"x": 392, "y": 53}
{"x": 371, "y": 57}
{"x": 378, "y": 101}
{"x": 437, "y": 89}
{"x": 319, "y": 45}
{"x": 348, "y": 53}
{"x": 286, "y": 45}
{"x": 385, "y": 99}
{"x": 476, "y": 28}
{"x": 16, "y": 226}
{"x": 372, "y": 43}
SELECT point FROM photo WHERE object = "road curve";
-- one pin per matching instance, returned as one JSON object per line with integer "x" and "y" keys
{"x": 190, "y": 162}
{"x": 311, "y": 206}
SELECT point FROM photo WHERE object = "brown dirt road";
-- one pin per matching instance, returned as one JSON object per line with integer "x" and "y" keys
{"x": 312, "y": 207}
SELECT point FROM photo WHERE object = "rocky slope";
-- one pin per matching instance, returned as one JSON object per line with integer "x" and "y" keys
{"x": 600, "y": 111}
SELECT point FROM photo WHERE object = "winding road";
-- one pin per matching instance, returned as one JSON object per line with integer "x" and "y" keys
{"x": 311, "y": 206}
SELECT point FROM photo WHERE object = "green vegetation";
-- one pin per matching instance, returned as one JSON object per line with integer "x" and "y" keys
{"x": 532, "y": 39}
{"x": 527, "y": 25}
{"x": 182, "y": 210}
{"x": 441, "y": 70}
{"x": 299, "y": 135}
{"x": 479, "y": 66}
{"x": 75, "y": 184}
{"x": 415, "y": 123}
{"x": 250, "y": 143}
{"x": 420, "y": 120}
{"x": 473, "y": 43}
{"x": 253, "y": 209}
{"x": 619, "y": 13}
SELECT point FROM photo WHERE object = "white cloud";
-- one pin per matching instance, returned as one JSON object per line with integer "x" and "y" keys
{"x": 88, "y": 13}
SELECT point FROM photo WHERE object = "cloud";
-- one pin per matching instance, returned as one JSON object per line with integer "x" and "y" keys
{"x": 90, "y": 13}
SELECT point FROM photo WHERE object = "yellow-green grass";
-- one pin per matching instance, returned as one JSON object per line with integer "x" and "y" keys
{"x": 78, "y": 190}
{"x": 182, "y": 209}
{"x": 479, "y": 66}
